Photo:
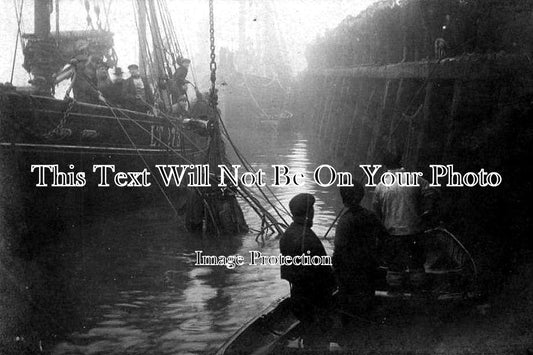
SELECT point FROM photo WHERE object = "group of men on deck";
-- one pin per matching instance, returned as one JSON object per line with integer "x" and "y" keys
{"x": 364, "y": 239}
{"x": 134, "y": 93}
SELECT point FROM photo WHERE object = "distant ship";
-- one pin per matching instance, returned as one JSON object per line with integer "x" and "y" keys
{"x": 257, "y": 77}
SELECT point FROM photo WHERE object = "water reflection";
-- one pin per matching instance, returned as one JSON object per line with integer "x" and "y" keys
{"x": 142, "y": 292}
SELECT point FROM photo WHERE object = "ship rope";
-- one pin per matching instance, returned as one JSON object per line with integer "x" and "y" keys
{"x": 201, "y": 194}
{"x": 143, "y": 160}
{"x": 18, "y": 14}
{"x": 245, "y": 194}
{"x": 160, "y": 50}
{"x": 213, "y": 102}
{"x": 167, "y": 38}
{"x": 206, "y": 205}
{"x": 248, "y": 166}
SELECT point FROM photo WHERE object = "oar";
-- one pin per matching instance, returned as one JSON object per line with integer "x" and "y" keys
{"x": 334, "y": 221}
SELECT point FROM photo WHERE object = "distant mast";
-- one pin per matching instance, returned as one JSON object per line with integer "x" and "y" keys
{"x": 40, "y": 68}
{"x": 142, "y": 36}
{"x": 41, "y": 9}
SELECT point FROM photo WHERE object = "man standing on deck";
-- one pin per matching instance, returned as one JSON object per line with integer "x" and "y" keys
{"x": 358, "y": 239}
{"x": 402, "y": 210}
{"x": 136, "y": 91}
{"x": 117, "y": 87}
{"x": 85, "y": 81}
{"x": 311, "y": 285}
{"x": 181, "y": 108}
{"x": 179, "y": 79}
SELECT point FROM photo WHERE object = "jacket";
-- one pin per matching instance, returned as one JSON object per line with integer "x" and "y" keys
{"x": 359, "y": 238}
{"x": 400, "y": 208}
{"x": 310, "y": 281}
{"x": 129, "y": 92}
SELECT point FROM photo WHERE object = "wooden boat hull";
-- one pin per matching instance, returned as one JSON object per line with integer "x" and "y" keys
{"x": 37, "y": 130}
{"x": 269, "y": 332}
{"x": 264, "y": 332}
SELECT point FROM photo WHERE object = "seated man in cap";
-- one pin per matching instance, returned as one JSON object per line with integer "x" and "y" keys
{"x": 311, "y": 285}
{"x": 136, "y": 91}
{"x": 358, "y": 236}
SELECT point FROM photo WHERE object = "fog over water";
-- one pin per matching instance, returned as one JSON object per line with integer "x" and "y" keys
{"x": 140, "y": 291}
{"x": 131, "y": 283}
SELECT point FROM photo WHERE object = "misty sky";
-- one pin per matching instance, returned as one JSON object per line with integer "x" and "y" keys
{"x": 300, "y": 22}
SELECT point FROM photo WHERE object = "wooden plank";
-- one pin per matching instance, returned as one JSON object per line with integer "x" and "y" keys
{"x": 327, "y": 110}
{"x": 355, "y": 124}
{"x": 378, "y": 122}
{"x": 323, "y": 105}
{"x": 338, "y": 118}
{"x": 364, "y": 123}
{"x": 468, "y": 67}
{"x": 344, "y": 123}
{"x": 334, "y": 109}
{"x": 457, "y": 94}
{"x": 422, "y": 127}
{"x": 396, "y": 116}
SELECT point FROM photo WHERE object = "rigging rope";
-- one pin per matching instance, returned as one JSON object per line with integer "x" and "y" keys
{"x": 213, "y": 102}
{"x": 170, "y": 40}
{"x": 19, "y": 19}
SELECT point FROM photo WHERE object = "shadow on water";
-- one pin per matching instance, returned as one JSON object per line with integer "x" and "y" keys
{"x": 130, "y": 284}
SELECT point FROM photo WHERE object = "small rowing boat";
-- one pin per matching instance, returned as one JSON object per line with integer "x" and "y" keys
{"x": 451, "y": 272}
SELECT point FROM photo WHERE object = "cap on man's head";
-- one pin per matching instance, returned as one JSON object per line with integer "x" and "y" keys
{"x": 133, "y": 66}
{"x": 392, "y": 160}
{"x": 301, "y": 204}
{"x": 185, "y": 60}
{"x": 118, "y": 71}
{"x": 352, "y": 195}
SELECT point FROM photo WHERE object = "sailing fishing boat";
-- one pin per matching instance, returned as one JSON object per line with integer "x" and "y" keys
{"x": 257, "y": 76}
{"x": 70, "y": 136}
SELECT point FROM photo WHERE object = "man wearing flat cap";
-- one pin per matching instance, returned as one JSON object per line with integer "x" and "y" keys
{"x": 136, "y": 91}
{"x": 358, "y": 238}
{"x": 311, "y": 285}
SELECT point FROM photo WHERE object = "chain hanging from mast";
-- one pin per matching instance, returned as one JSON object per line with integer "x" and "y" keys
{"x": 213, "y": 65}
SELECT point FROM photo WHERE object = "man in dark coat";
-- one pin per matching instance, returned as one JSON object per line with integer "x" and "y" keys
{"x": 117, "y": 88}
{"x": 311, "y": 285}
{"x": 358, "y": 238}
{"x": 136, "y": 91}
{"x": 179, "y": 79}
{"x": 85, "y": 81}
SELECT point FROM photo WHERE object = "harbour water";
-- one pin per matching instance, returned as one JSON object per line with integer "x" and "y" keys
{"x": 133, "y": 286}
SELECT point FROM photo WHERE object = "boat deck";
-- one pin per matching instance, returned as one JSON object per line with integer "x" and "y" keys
{"x": 399, "y": 327}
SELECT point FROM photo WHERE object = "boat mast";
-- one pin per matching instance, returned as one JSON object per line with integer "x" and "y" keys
{"x": 41, "y": 11}
{"x": 142, "y": 36}
{"x": 41, "y": 69}
{"x": 242, "y": 27}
